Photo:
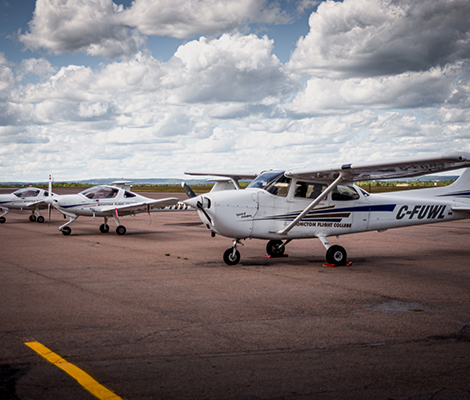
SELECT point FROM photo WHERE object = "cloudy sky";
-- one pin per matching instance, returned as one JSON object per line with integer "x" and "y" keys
{"x": 151, "y": 88}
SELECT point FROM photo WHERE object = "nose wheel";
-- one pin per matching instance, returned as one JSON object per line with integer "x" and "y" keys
{"x": 232, "y": 255}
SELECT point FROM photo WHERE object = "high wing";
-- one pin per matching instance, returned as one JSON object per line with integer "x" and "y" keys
{"x": 237, "y": 175}
{"x": 145, "y": 206}
{"x": 406, "y": 167}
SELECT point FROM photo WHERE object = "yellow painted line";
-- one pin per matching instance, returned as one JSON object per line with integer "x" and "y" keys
{"x": 80, "y": 376}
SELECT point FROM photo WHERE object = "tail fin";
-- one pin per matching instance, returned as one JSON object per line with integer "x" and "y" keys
{"x": 460, "y": 192}
{"x": 461, "y": 187}
{"x": 189, "y": 192}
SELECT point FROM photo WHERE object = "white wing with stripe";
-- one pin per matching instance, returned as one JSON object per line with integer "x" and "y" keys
{"x": 407, "y": 167}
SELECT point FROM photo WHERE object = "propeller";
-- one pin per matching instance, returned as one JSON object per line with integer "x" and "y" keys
{"x": 199, "y": 206}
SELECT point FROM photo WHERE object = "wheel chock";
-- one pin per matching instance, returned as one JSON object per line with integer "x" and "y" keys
{"x": 348, "y": 264}
{"x": 329, "y": 265}
{"x": 280, "y": 256}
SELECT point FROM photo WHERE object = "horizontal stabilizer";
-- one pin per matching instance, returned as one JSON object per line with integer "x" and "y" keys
{"x": 461, "y": 209}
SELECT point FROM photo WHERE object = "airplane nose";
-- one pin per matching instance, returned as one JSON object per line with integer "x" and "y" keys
{"x": 193, "y": 201}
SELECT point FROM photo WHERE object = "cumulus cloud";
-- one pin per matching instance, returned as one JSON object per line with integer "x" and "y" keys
{"x": 89, "y": 26}
{"x": 233, "y": 68}
{"x": 409, "y": 90}
{"x": 227, "y": 101}
{"x": 7, "y": 78}
{"x": 186, "y": 18}
{"x": 383, "y": 37}
{"x": 102, "y": 28}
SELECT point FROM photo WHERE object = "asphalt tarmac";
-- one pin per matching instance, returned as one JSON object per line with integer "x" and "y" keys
{"x": 156, "y": 314}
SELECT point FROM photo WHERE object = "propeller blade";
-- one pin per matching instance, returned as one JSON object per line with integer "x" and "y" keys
{"x": 199, "y": 207}
{"x": 189, "y": 192}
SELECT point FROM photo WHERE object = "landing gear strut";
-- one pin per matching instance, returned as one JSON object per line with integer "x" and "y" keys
{"x": 334, "y": 254}
{"x": 276, "y": 248}
{"x": 104, "y": 228}
{"x": 232, "y": 255}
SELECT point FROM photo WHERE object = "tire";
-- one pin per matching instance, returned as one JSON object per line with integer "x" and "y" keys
{"x": 121, "y": 230}
{"x": 40, "y": 219}
{"x": 2, "y": 220}
{"x": 230, "y": 258}
{"x": 66, "y": 231}
{"x": 273, "y": 248}
{"x": 32, "y": 218}
{"x": 336, "y": 255}
{"x": 104, "y": 228}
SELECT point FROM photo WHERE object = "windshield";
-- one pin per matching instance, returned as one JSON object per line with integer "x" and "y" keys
{"x": 264, "y": 179}
{"x": 23, "y": 193}
{"x": 100, "y": 192}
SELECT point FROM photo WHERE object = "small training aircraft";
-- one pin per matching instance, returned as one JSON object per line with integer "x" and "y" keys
{"x": 29, "y": 198}
{"x": 106, "y": 201}
{"x": 280, "y": 206}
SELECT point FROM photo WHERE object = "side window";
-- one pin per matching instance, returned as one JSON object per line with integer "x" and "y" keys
{"x": 344, "y": 193}
{"x": 279, "y": 187}
{"x": 309, "y": 190}
{"x": 128, "y": 194}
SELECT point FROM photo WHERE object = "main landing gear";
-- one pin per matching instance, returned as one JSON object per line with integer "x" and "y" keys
{"x": 275, "y": 248}
{"x": 120, "y": 230}
{"x": 104, "y": 228}
{"x": 40, "y": 219}
{"x": 334, "y": 254}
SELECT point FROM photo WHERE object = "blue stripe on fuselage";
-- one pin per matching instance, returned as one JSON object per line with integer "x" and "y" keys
{"x": 367, "y": 208}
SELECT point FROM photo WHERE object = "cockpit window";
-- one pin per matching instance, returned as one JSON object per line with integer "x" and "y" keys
{"x": 279, "y": 186}
{"x": 344, "y": 193}
{"x": 262, "y": 180}
{"x": 128, "y": 194}
{"x": 23, "y": 193}
{"x": 100, "y": 192}
{"x": 309, "y": 190}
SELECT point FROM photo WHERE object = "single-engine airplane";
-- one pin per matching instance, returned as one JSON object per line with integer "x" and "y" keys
{"x": 29, "y": 198}
{"x": 280, "y": 206}
{"x": 107, "y": 202}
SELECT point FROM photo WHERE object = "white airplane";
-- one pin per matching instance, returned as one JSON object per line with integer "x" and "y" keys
{"x": 106, "y": 201}
{"x": 280, "y": 206}
{"x": 29, "y": 198}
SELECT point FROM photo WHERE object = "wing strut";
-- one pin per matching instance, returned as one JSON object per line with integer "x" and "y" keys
{"x": 312, "y": 205}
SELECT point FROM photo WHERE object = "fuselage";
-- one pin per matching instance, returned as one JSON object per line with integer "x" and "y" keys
{"x": 263, "y": 211}
{"x": 97, "y": 201}
{"x": 29, "y": 198}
